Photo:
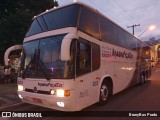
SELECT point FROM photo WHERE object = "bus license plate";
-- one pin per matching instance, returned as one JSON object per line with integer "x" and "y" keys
{"x": 36, "y": 100}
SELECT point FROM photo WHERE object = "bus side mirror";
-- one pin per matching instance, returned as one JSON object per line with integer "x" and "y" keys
{"x": 65, "y": 46}
{"x": 12, "y": 48}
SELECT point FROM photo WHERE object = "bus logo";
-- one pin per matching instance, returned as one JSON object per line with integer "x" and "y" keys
{"x": 120, "y": 54}
{"x": 106, "y": 52}
{"x": 111, "y": 52}
{"x": 53, "y": 85}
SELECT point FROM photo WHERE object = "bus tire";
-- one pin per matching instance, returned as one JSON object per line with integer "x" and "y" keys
{"x": 105, "y": 93}
{"x": 146, "y": 77}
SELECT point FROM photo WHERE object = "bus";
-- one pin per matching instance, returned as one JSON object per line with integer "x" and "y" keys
{"x": 73, "y": 56}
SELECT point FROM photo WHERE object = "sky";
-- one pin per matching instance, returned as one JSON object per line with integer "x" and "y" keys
{"x": 129, "y": 12}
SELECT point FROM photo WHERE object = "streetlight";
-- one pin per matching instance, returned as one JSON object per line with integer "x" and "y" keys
{"x": 152, "y": 27}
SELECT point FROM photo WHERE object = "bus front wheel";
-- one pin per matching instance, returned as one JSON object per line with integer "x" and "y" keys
{"x": 105, "y": 93}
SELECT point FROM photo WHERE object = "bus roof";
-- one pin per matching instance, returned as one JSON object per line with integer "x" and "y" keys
{"x": 91, "y": 8}
{"x": 79, "y": 3}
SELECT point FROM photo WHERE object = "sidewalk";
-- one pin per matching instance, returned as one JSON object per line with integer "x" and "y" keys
{"x": 8, "y": 94}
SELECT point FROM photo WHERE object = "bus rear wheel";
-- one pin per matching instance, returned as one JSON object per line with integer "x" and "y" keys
{"x": 105, "y": 93}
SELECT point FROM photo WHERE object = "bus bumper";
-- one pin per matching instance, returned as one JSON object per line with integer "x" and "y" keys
{"x": 49, "y": 101}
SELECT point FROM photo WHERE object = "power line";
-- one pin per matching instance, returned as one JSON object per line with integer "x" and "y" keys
{"x": 130, "y": 18}
{"x": 120, "y": 12}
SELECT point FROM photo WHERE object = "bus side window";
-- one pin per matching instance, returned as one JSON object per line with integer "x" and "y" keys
{"x": 83, "y": 62}
{"x": 95, "y": 57}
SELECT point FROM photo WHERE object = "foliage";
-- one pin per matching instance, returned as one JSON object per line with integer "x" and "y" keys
{"x": 15, "y": 18}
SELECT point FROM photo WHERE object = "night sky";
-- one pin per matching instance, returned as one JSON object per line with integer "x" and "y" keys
{"x": 129, "y": 12}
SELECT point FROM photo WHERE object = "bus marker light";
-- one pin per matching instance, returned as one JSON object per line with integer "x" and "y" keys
{"x": 81, "y": 80}
{"x": 98, "y": 78}
{"x": 67, "y": 93}
{"x": 60, "y": 104}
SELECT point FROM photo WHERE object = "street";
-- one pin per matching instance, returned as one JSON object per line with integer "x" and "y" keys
{"x": 136, "y": 98}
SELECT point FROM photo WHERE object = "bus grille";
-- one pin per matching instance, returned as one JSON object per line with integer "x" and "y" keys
{"x": 39, "y": 91}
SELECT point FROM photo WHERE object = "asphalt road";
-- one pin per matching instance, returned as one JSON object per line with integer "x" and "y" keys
{"x": 137, "y": 98}
{"x": 8, "y": 89}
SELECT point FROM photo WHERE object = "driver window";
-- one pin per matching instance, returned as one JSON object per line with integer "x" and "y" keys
{"x": 83, "y": 62}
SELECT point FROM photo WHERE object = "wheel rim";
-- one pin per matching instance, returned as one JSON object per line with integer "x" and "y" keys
{"x": 104, "y": 92}
{"x": 142, "y": 78}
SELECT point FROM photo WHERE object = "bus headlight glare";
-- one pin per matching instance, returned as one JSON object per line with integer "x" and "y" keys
{"x": 20, "y": 96}
{"x": 60, "y": 104}
{"x": 60, "y": 93}
{"x": 20, "y": 88}
{"x": 52, "y": 92}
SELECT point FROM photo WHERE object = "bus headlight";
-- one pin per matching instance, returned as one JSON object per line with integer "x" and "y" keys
{"x": 20, "y": 88}
{"x": 62, "y": 93}
{"x": 52, "y": 92}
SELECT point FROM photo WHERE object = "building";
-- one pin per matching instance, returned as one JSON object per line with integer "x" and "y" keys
{"x": 155, "y": 46}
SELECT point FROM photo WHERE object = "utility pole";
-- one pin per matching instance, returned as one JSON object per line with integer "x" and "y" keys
{"x": 133, "y": 26}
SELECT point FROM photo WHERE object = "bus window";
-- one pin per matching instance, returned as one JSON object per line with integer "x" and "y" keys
{"x": 89, "y": 22}
{"x": 130, "y": 42}
{"x": 95, "y": 57}
{"x": 42, "y": 23}
{"x": 65, "y": 17}
{"x": 83, "y": 62}
{"x": 120, "y": 37}
{"x": 45, "y": 52}
{"x": 107, "y": 30}
{"x": 139, "y": 50}
{"x": 60, "y": 18}
{"x": 35, "y": 28}
{"x": 145, "y": 51}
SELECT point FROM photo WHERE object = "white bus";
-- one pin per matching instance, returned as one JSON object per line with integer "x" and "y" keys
{"x": 73, "y": 57}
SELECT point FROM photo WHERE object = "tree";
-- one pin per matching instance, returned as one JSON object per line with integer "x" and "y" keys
{"x": 15, "y": 18}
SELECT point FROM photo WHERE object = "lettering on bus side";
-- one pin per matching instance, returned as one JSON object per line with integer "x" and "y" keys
{"x": 95, "y": 83}
{"x": 83, "y": 94}
{"x": 53, "y": 85}
{"x": 108, "y": 52}
{"x": 121, "y": 54}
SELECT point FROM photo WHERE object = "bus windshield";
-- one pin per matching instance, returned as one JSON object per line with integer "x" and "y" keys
{"x": 60, "y": 18}
{"x": 42, "y": 57}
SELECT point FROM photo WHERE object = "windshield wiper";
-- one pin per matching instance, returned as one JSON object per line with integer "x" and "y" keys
{"x": 41, "y": 64}
{"x": 32, "y": 61}
{"x": 36, "y": 60}
{"x": 44, "y": 70}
